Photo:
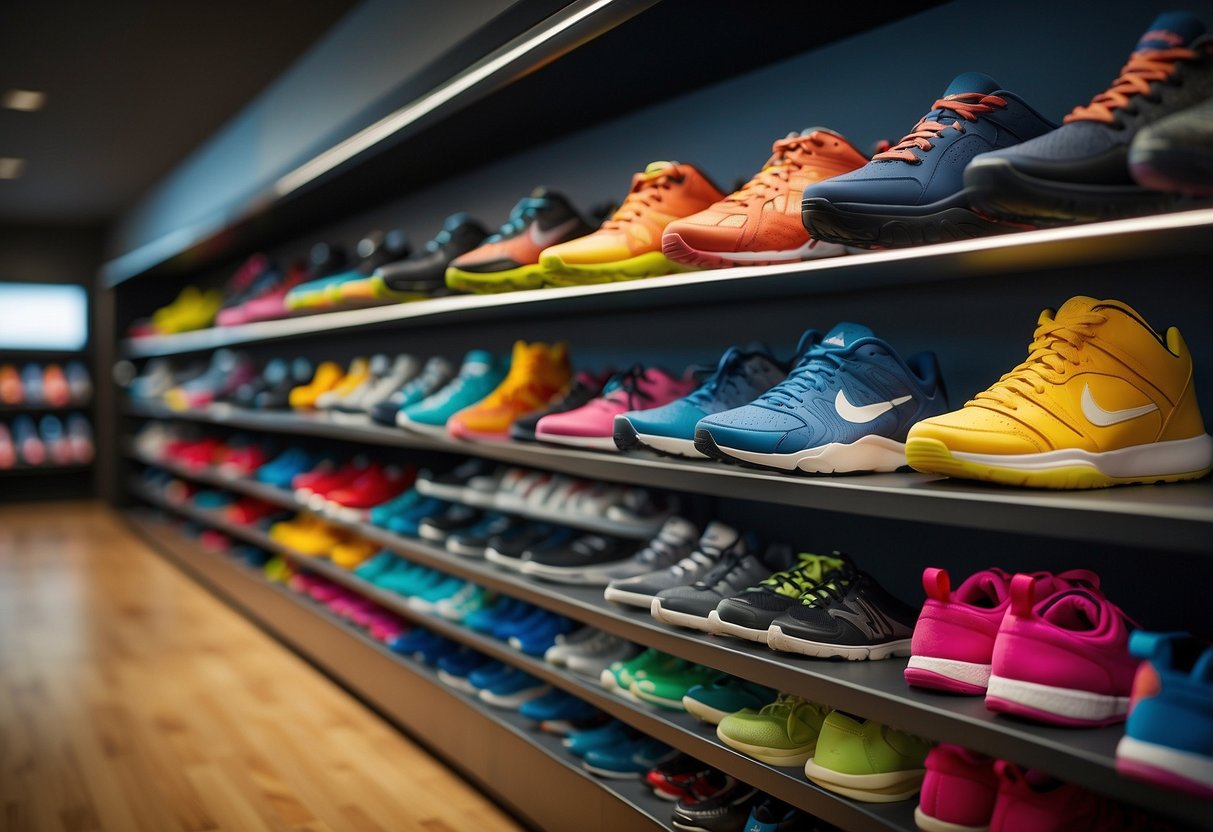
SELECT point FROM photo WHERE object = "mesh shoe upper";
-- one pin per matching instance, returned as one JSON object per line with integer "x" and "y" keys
{"x": 852, "y": 610}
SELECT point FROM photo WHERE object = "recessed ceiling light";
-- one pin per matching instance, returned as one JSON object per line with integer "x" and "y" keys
{"x": 27, "y": 100}
{"x": 11, "y": 168}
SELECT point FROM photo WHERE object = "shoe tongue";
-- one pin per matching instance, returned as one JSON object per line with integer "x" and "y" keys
{"x": 845, "y": 334}
{"x": 1077, "y": 611}
{"x": 1171, "y": 29}
{"x": 716, "y": 538}
{"x": 971, "y": 82}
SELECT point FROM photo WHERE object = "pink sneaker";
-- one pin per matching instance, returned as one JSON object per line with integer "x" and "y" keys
{"x": 1033, "y": 800}
{"x": 958, "y": 791}
{"x": 593, "y": 425}
{"x": 954, "y": 638}
{"x": 266, "y": 307}
{"x": 1063, "y": 660}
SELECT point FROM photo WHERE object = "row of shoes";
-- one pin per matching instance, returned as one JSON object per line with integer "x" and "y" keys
{"x": 49, "y": 385}
{"x": 50, "y": 441}
{"x": 981, "y": 161}
{"x": 1101, "y": 399}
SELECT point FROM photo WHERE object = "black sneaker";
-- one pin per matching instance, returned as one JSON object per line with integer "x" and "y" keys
{"x": 850, "y": 617}
{"x": 1176, "y": 153}
{"x": 770, "y": 814}
{"x": 749, "y": 614}
{"x": 690, "y": 606}
{"x": 424, "y": 274}
{"x": 726, "y": 811}
{"x": 1080, "y": 172}
{"x": 714, "y": 544}
{"x": 581, "y": 561}
{"x": 467, "y": 480}
{"x": 512, "y": 550}
{"x": 583, "y": 389}
{"x": 278, "y": 379}
{"x": 471, "y": 541}
{"x": 436, "y": 529}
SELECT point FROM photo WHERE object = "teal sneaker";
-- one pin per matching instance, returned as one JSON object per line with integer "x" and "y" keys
{"x": 448, "y": 587}
{"x": 666, "y": 687}
{"x": 466, "y": 601}
{"x": 713, "y": 701}
{"x": 377, "y": 565}
{"x": 480, "y": 375}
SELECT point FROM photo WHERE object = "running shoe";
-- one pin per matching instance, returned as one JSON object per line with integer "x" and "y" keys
{"x": 470, "y": 542}
{"x": 268, "y": 304}
{"x": 1035, "y": 800}
{"x": 582, "y": 562}
{"x": 781, "y": 733}
{"x": 770, "y": 814}
{"x": 579, "y": 743}
{"x": 629, "y": 760}
{"x": 437, "y": 527}
{"x": 666, "y": 687}
{"x": 619, "y": 675}
{"x": 725, "y": 810}
{"x": 327, "y": 376}
{"x": 1101, "y": 399}
{"x": 712, "y": 701}
{"x": 454, "y": 668}
{"x": 846, "y": 407}
{"x": 421, "y": 275}
{"x": 55, "y": 391}
{"x": 509, "y": 259}
{"x": 1175, "y": 154}
{"x": 640, "y": 591}
{"x": 12, "y": 390}
{"x": 691, "y": 606}
{"x": 683, "y": 777}
{"x": 850, "y": 617}
{"x": 538, "y": 372}
{"x": 958, "y": 791}
{"x": 480, "y": 374}
{"x": 749, "y": 614}
{"x": 561, "y": 713}
{"x": 389, "y": 378}
{"x": 435, "y": 375}
{"x": 761, "y": 224}
{"x": 867, "y": 761}
{"x": 1080, "y": 171}
{"x": 674, "y": 541}
{"x": 373, "y": 250}
{"x": 512, "y": 689}
{"x": 914, "y": 192}
{"x": 1062, "y": 659}
{"x": 581, "y": 390}
{"x": 628, "y": 245}
{"x": 741, "y": 375}
{"x": 191, "y": 310}
{"x": 356, "y": 375}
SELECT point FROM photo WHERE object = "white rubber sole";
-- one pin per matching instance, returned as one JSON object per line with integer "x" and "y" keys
{"x": 702, "y": 712}
{"x": 777, "y": 640}
{"x": 1078, "y": 705}
{"x": 575, "y": 576}
{"x": 613, "y": 775}
{"x": 595, "y": 443}
{"x": 419, "y": 427}
{"x": 670, "y": 445}
{"x": 660, "y": 701}
{"x": 778, "y": 757}
{"x": 632, "y": 599}
{"x": 926, "y": 823}
{"x": 460, "y": 683}
{"x": 678, "y": 619}
{"x": 889, "y": 787}
{"x": 719, "y": 627}
{"x": 1184, "y": 766}
{"x": 1156, "y": 459}
{"x": 970, "y": 673}
{"x": 513, "y": 700}
{"x": 868, "y": 453}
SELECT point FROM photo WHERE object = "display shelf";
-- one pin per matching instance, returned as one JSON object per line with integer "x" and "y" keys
{"x": 1175, "y": 517}
{"x": 875, "y": 689}
{"x": 527, "y": 771}
{"x": 32, "y": 470}
{"x": 16, "y": 409}
{"x": 970, "y": 260}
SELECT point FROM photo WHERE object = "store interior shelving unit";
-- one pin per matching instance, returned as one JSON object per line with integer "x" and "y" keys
{"x": 974, "y": 302}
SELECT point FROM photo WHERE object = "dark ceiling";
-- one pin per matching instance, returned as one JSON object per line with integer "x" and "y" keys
{"x": 133, "y": 86}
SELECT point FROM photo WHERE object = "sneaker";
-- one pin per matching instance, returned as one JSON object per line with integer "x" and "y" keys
{"x": 374, "y": 486}
{"x": 629, "y": 760}
{"x": 760, "y": 224}
{"x": 691, "y": 606}
{"x": 770, "y": 814}
{"x": 740, "y": 377}
{"x": 724, "y": 811}
{"x": 1169, "y": 735}
{"x": 580, "y": 742}
{"x": 1101, "y": 399}
{"x": 619, "y": 675}
{"x": 560, "y": 712}
{"x": 436, "y": 374}
{"x": 423, "y": 275}
{"x": 867, "y": 761}
{"x": 436, "y": 528}
{"x": 1062, "y": 659}
{"x": 513, "y": 550}
{"x": 673, "y": 542}
{"x": 749, "y": 614}
{"x": 537, "y": 373}
{"x": 397, "y": 373}
{"x": 439, "y": 590}
{"x": 541, "y": 635}
{"x": 469, "y": 599}
{"x": 713, "y": 701}
{"x": 374, "y": 250}
{"x": 958, "y": 790}
{"x": 460, "y": 484}
{"x": 480, "y": 374}
{"x": 512, "y": 689}
{"x": 347, "y": 398}
{"x": 953, "y": 641}
{"x": 471, "y": 541}
{"x": 328, "y": 374}
{"x": 379, "y": 564}
{"x": 509, "y": 259}
{"x": 581, "y": 562}
{"x": 665, "y": 687}
{"x": 641, "y": 590}
{"x": 850, "y": 617}
{"x": 684, "y": 777}
{"x": 407, "y": 523}
{"x": 584, "y": 643}
{"x": 593, "y": 425}
{"x": 1080, "y": 172}
{"x": 270, "y": 303}
{"x": 851, "y": 375}
{"x": 454, "y": 668}
{"x": 628, "y": 245}
{"x": 914, "y": 192}
{"x": 1033, "y": 799}
{"x": 1172, "y": 154}
{"x": 8, "y": 451}
{"x": 581, "y": 390}
{"x": 782, "y": 733}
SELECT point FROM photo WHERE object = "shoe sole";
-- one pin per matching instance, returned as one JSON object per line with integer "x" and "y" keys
{"x": 627, "y": 438}
{"x": 613, "y": 775}
{"x": 926, "y": 823}
{"x": 868, "y": 454}
{"x": 571, "y": 575}
{"x": 557, "y": 272}
{"x": 1170, "y": 767}
{"x": 778, "y": 640}
{"x": 678, "y": 619}
{"x": 778, "y": 757}
{"x": 510, "y": 280}
{"x": 997, "y": 189}
{"x": 1054, "y": 705}
{"x": 504, "y": 561}
{"x": 512, "y": 701}
{"x": 1072, "y": 468}
{"x": 679, "y": 250}
{"x": 718, "y": 626}
{"x": 702, "y": 712}
{"x": 654, "y": 699}
{"x": 888, "y": 787}
{"x": 1159, "y": 168}
{"x": 632, "y": 599}
{"x": 969, "y": 678}
{"x": 594, "y": 443}
{"x": 889, "y": 229}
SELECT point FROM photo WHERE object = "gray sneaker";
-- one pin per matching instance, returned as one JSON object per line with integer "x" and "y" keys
{"x": 690, "y": 606}
{"x": 673, "y": 542}
{"x": 639, "y": 591}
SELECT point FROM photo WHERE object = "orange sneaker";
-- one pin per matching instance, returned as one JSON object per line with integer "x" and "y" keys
{"x": 326, "y": 377}
{"x": 628, "y": 245}
{"x": 760, "y": 224}
{"x": 538, "y": 372}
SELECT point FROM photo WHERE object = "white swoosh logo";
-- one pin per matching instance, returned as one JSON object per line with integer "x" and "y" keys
{"x": 543, "y": 239}
{"x": 859, "y": 415}
{"x": 1096, "y": 415}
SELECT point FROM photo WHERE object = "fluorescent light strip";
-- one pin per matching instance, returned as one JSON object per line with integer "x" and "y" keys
{"x": 27, "y": 101}
{"x": 405, "y": 116}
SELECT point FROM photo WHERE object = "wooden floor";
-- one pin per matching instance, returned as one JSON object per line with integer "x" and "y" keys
{"x": 131, "y": 699}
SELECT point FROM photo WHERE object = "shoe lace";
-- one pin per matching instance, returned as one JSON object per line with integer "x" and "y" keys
{"x": 692, "y": 562}
{"x": 787, "y": 156}
{"x": 1135, "y": 77}
{"x": 791, "y": 581}
{"x": 723, "y": 378}
{"x": 648, "y": 190}
{"x": 783, "y": 704}
{"x": 1055, "y": 347}
{"x": 627, "y": 385}
{"x": 814, "y": 372}
{"x": 520, "y": 215}
{"x": 959, "y": 109}
{"x": 833, "y": 587}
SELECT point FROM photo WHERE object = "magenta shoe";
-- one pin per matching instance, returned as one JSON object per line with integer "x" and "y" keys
{"x": 1064, "y": 660}
{"x": 593, "y": 425}
{"x": 958, "y": 791}
{"x": 1031, "y": 800}
{"x": 953, "y": 640}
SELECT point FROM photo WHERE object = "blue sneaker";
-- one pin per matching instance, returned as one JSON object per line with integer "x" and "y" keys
{"x": 419, "y": 643}
{"x": 579, "y": 743}
{"x": 741, "y": 376}
{"x": 440, "y": 591}
{"x": 526, "y": 618}
{"x": 454, "y": 668}
{"x": 628, "y": 760}
{"x": 536, "y": 639}
{"x": 435, "y": 375}
{"x": 408, "y": 580}
{"x": 846, "y": 406}
{"x": 283, "y": 468}
{"x": 480, "y": 374}
{"x": 487, "y": 674}
{"x": 1169, "y": 734}
{"x": 559, "y": 712}
{"x": 487, "y": 619}
{"x": 511, "y": 689}
{"x": 408, "y": 523}
{"x": 913, "y": 193}
{"x": 380, "y": 515}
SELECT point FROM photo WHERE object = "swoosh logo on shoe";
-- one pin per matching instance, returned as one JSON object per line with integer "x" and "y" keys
{"x": 543, "y": 239}
{"x": 1096, "y": 415}
{"x": 859, "y": 414}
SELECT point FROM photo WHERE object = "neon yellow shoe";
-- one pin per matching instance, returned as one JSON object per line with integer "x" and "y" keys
{"x": 192, "y": 309}
{"x": 628, "y": 245}
{"x": 867, "y": 761}
{"x": 1101, "y": 399}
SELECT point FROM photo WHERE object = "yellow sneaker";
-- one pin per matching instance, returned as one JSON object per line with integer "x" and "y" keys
{"x": 192, "y": 309}
{"x": 358, "y": 374}
{"x": 537, "y": 373}
{"x": 326, "y": 377}
{"x": 353, "y": 552}
{"x": 1101, "y": 399}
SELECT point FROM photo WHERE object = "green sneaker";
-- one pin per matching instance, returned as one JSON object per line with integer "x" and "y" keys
{"x": 782, "y": 733}
{"x": 618, "y": 677}
{"x": 867, "y": 761}
{"x": 749, "y": 615}
{"x": 665, "y": 688}
{"x": 717, "y": 699}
